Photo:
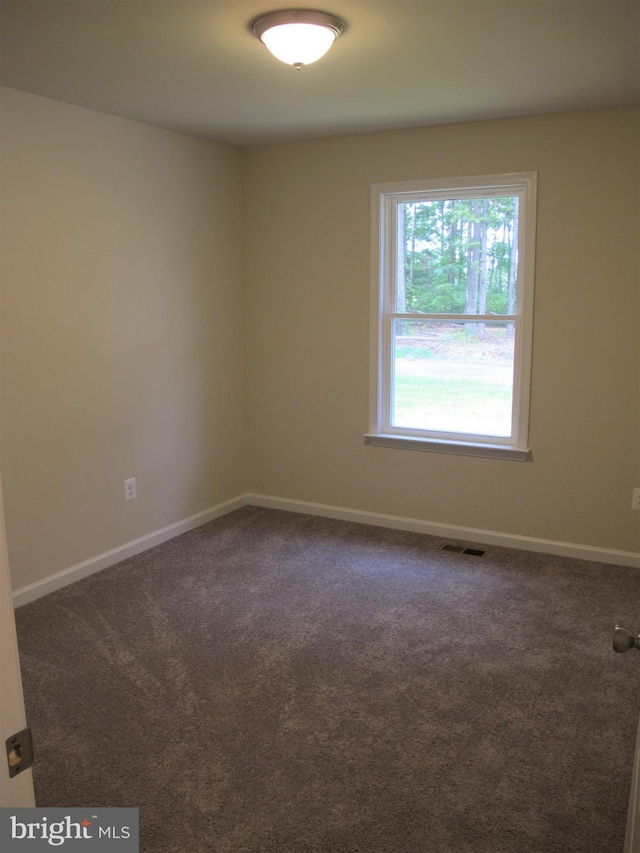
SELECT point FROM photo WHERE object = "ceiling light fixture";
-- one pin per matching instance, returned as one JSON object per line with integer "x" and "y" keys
{"x": 297, "y": 36}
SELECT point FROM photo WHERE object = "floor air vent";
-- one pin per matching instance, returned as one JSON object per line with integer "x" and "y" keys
{"x": 459, "y": 549}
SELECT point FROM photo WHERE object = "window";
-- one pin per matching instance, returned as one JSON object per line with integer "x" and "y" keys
{"x": 453, "y": 314}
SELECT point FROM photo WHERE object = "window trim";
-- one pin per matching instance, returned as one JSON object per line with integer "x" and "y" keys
{"x": 385, "y": 197}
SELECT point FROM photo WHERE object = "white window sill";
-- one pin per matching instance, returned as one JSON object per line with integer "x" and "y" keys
{"x": 464, "y": 448}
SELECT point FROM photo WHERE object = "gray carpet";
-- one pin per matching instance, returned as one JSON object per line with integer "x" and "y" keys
{"x": 280, "y": 683}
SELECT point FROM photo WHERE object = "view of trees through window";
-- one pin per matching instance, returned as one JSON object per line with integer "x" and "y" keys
{"x": 458, "y": 256}
{"x": 455, "y": 256}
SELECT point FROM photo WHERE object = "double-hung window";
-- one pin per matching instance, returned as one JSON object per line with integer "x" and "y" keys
{"x": 452, "y": 319}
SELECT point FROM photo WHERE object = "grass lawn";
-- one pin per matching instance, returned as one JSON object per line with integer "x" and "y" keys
{"x": 479, "y": 405}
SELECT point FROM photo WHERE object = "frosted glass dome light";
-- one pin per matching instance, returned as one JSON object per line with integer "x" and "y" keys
{"x": 297, "y": 37}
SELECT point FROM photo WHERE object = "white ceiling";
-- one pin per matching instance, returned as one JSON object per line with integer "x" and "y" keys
{"x": 195, "y": 67}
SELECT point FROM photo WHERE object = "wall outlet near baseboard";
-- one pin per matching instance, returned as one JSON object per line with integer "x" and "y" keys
{"x": 635, "y": 500}
{"x": 130, "y": 489}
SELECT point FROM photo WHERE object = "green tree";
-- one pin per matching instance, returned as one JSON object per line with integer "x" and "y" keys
{"x": 458, "y": 256}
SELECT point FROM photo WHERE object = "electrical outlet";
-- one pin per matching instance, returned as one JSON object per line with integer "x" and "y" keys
{"x": 130, "y": 489}
{"x": 635, "y": 500}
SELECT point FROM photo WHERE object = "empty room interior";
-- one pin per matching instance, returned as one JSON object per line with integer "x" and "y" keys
{"x": 303, "y": 556}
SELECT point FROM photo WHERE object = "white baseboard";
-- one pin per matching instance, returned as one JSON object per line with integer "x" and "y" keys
{"x": 451, "y": 531}
{"x": 123, "y": 552}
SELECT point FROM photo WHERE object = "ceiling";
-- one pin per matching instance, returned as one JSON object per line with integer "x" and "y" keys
{"x": 195, "y": 67}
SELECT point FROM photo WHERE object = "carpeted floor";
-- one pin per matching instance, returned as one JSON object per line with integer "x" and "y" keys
{"x": 281, "y": 683}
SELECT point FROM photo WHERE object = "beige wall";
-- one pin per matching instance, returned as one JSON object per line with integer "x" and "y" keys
{"x": 122, "y": 352}
{"x": 130, "y": 300}
{"x": 307, "y": 254}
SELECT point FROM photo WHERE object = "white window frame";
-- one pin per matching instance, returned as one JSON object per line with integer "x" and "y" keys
{"x": 385, "y": 199}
